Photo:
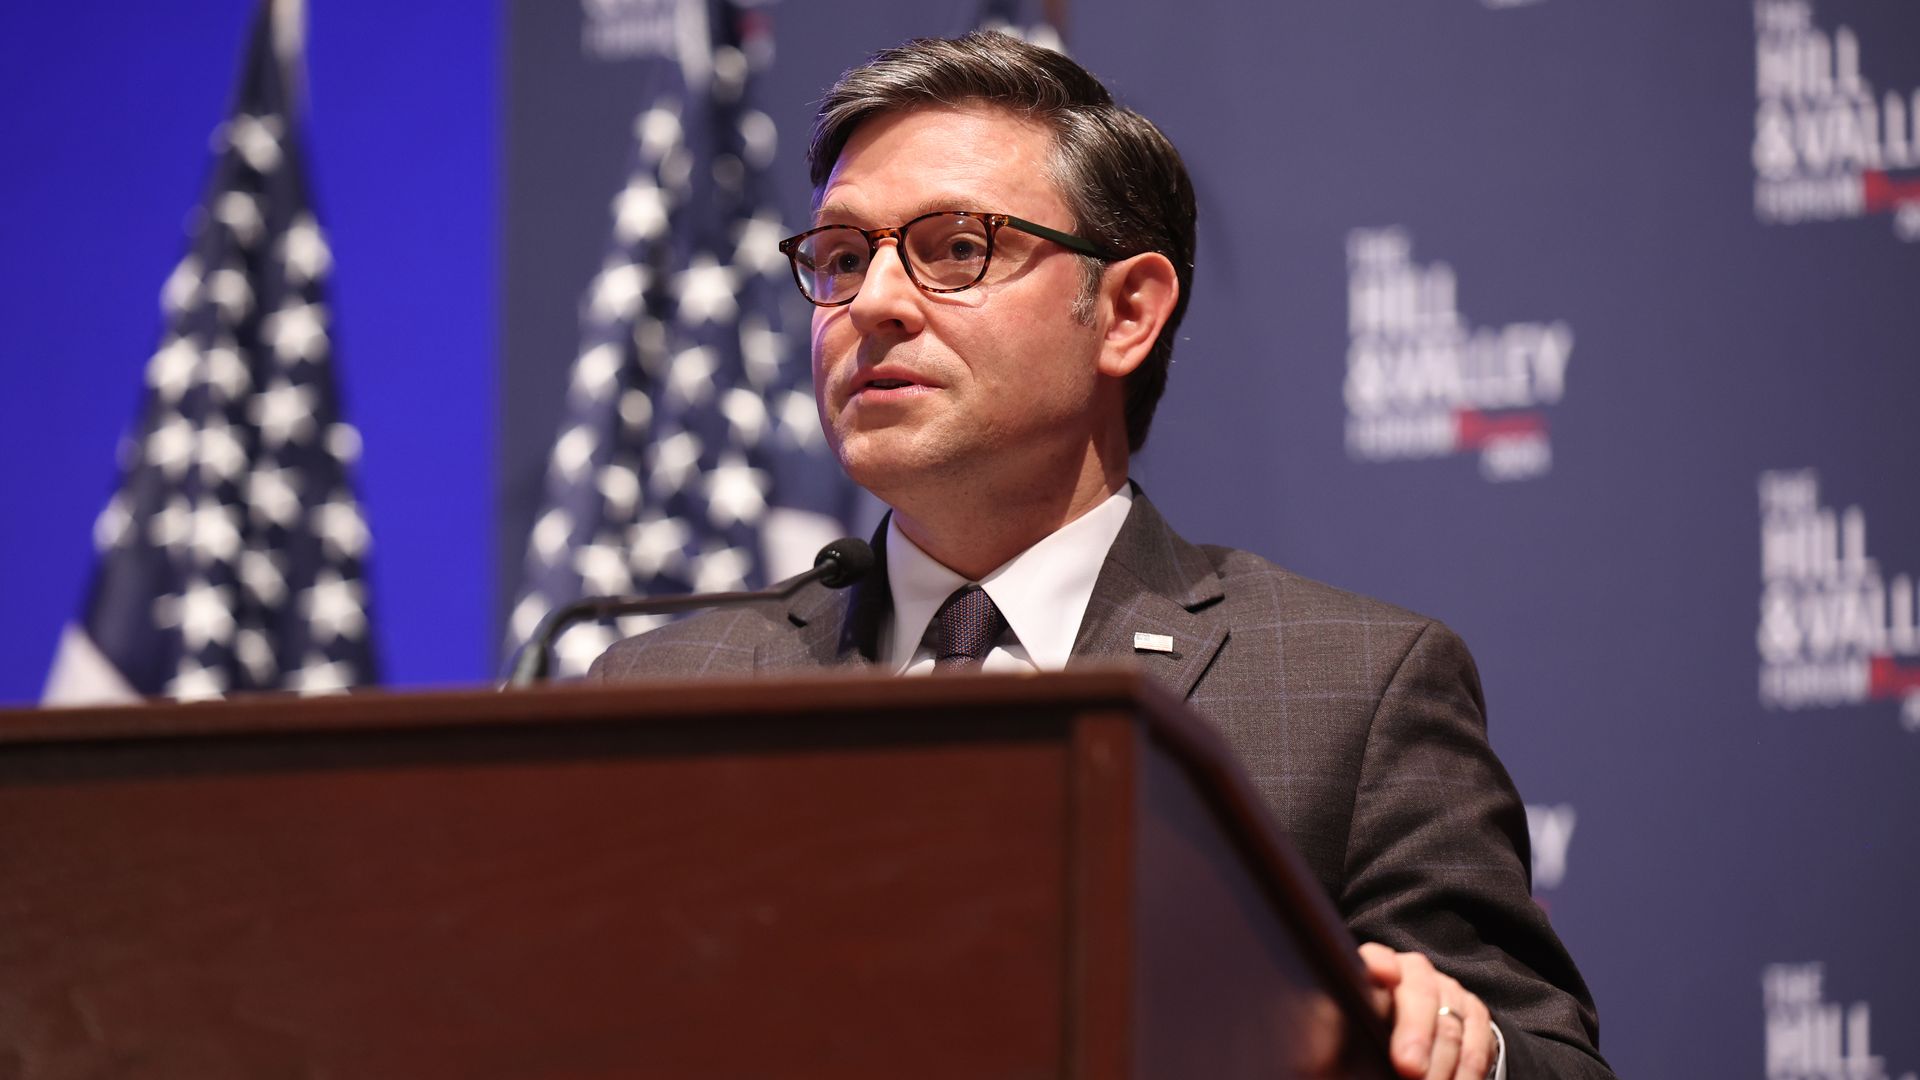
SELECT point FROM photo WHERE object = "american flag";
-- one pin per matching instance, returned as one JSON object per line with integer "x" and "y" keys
{"x": 232, "y": 555}
{"x": 690, "y": 458}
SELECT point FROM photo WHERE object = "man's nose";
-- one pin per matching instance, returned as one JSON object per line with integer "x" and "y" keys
{"x": 887, "y": 296}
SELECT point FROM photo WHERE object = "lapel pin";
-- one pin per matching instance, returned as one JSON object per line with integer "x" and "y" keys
{"x": 1152, "y": 643}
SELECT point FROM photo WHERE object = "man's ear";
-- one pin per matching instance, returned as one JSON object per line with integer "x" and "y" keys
{"x": 1137, "y": 296}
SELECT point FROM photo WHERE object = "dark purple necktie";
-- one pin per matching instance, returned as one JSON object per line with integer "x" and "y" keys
{"x": 967, "y": 626}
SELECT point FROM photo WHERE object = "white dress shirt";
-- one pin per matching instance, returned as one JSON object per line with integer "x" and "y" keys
{"x": 1043, "y": 594}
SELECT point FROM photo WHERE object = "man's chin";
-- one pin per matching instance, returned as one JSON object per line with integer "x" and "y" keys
{"x": 886, "y": 459}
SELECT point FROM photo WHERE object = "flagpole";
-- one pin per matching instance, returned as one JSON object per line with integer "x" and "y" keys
{"x": 289, "y": 18}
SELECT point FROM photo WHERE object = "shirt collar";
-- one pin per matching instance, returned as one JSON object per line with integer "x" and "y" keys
{"x": 1043, "y": 591}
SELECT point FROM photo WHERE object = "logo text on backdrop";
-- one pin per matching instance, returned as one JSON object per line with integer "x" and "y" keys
{"x": 630, "y": 29}
{"x": 1550, "y": 835}
{"x": 1811, "y": 1038}
{"x": 1834, "y": 629}
{"x": 1422, "y": 383}
{"x": 1826, "y": 145}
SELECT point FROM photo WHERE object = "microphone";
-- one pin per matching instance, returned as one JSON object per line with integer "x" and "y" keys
{"x": 838, "y": 565}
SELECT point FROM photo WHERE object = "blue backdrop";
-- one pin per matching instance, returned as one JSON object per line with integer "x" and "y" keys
{"x": 109, "y": 109}
{"x": 1586, "y": 327}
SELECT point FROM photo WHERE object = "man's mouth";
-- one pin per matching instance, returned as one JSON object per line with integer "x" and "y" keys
{"x": 887, "y": 384}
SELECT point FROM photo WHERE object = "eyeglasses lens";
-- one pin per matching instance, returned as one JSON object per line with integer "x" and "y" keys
{"x": 832, "y": 263}
{"x": 949, "y": 251}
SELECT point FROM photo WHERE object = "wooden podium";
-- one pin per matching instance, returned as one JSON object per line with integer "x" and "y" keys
{"x": 1007, "y": 877}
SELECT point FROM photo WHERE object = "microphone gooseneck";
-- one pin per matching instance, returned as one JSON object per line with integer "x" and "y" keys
{"x": 839, "y": 564}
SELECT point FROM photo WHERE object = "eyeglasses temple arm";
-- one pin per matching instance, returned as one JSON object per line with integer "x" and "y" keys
{"x": 1066, "y": 240}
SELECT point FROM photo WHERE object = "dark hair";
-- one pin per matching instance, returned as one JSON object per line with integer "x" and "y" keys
{"x": 1121, "y": 179}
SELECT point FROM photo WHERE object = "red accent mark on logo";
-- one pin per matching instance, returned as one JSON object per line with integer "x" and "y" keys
{"x": 1887, "y": 679}
{"x": 1881, "y": 192}
{"x": 1473, "y": 429}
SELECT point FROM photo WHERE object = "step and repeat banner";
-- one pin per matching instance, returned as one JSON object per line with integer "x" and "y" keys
{"x": 1590, "y": 328}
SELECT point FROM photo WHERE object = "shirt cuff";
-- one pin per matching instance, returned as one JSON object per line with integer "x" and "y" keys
{"x": 1499, "y": 1070}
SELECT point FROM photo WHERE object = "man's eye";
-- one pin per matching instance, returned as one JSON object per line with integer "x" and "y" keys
{"x": 839, "y": 261}
{"x": 960, "y": 247}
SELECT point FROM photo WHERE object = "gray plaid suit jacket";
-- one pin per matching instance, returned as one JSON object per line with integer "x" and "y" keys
{"x": 1361, "y": 724}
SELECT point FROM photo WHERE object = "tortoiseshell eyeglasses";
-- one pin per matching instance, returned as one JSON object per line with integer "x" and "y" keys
{"x": 944, "y": 252}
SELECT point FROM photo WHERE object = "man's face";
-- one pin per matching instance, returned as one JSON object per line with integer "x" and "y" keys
{"x": 986, "y": 387}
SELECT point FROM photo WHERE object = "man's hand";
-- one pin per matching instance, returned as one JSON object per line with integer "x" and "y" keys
{"x": 1426, "y": 1044}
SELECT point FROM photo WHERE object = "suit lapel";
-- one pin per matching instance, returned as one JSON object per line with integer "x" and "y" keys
{"x": 1154, "y": 582}
{"x": 833, "y": 627}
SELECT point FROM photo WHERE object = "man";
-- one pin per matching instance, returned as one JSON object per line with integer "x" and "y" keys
{"x": 1000, "y": 258}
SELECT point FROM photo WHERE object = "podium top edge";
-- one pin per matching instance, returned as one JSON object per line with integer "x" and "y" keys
{"x": 806, "y": 694}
